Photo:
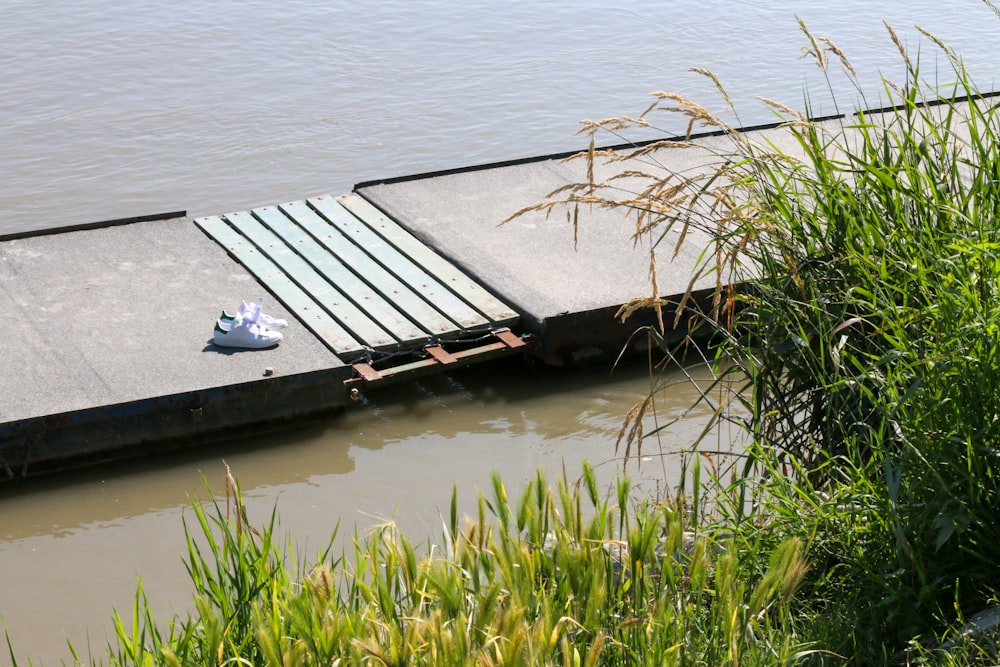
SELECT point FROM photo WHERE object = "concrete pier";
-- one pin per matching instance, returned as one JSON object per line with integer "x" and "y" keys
{"x": 107, "y": 351}
{"x": 567, "y": 284}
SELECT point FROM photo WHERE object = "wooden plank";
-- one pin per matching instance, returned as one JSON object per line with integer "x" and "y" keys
{"x": 323, "y": 293}
{"x": 331, "y": 268}
{"x": 329, "y": 332}
{"x": 392, "y": 289}
{"x": 445, "y": 271}
{"x": 399, "y": 264}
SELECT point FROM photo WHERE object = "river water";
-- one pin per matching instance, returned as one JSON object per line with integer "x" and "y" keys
{"x": 114, "y": 109}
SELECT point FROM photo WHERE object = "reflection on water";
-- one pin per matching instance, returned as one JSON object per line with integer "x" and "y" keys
{"x": 85, "y": 539}
{"x": 575, "y": 412}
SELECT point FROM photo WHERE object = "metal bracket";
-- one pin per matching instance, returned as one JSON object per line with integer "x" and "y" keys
{"x": 508, "y": 338}
{"x": 441, "y": 355}
{"x": 365, "y": 375}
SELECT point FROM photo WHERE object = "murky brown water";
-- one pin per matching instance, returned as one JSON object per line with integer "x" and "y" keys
{"x": 112, "y": 109}
{"x": 73, "y": 547}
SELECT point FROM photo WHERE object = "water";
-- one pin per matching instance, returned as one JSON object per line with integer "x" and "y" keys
{"x": 114, "y": 109}
{"x": 72, "y": 548}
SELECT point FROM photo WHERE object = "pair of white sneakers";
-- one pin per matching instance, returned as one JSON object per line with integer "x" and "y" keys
{"x": 249, "y": 328}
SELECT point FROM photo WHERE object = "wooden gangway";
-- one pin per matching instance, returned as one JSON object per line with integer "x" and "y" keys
{"x": 366, "y": 287}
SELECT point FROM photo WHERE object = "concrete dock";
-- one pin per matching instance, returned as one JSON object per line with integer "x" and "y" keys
{"x": 567, "y": 284}
{"x": 108, "y": 353}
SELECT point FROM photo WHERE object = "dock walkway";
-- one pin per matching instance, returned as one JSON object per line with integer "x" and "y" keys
{"x": 108, "y": 353}
{"x": 360, "y": 282}
{"x": 108, "y": 349}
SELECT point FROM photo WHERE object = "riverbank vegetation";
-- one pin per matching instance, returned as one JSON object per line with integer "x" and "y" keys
{"x": 867, "y": 333}
{"x": 860, "y": 525}
{"x": 564, "y": 575}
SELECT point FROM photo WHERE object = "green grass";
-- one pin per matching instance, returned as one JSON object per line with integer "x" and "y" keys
{"x": 562, "y": 576}
{"x": 865, "y": 342}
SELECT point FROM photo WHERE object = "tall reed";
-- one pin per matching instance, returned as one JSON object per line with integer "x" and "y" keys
{"x": 563, "y": 576}
{"x": 857, "y": 271}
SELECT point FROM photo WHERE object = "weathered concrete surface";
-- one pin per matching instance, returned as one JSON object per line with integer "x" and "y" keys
{"x": 566, "y": 289}
{"x": 107, "y": 347}
{"x": 107, "y": 350}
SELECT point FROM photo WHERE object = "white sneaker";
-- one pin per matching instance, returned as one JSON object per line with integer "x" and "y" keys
{"x": 251, "y": 312}
{"x": 239, "y": 332}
